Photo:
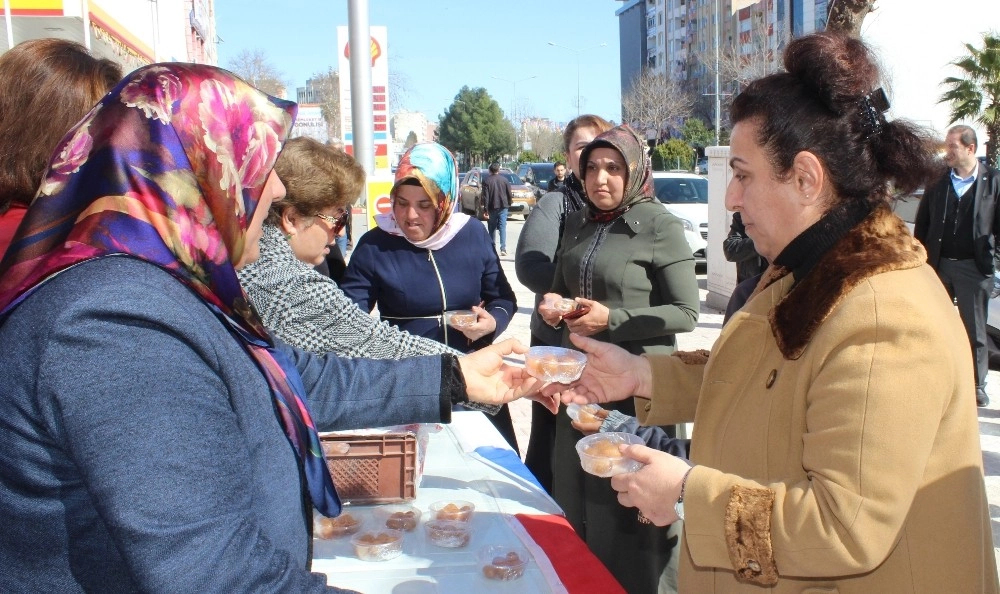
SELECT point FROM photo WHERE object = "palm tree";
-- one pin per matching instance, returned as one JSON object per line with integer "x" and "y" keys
{"x": 976, "y": 95}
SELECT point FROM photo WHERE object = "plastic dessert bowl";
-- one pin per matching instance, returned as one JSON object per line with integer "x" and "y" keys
{"x": 450, "y": 534}
{"x": 502, "y": 562}
{"x": 583, "y": 413}
{"x": 563, "y": 305}
{"x": 452, "y": 509}
{"x": 462, "y": 318}
{"x": 343, "y": 525}
{"x": 379, "y": 544}
{"x": 555, "y": 364}
{"x": 397, "y": 517}
{"x": 599, "y": 453}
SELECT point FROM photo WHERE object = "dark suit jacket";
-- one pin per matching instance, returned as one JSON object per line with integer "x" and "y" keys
{"x": 929, "y": 224}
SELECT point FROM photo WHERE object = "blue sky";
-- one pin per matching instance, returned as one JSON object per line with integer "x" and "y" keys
{"x": 438, "y": 46}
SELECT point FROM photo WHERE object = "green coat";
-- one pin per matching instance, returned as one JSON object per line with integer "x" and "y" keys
{"x": 644, "y": 274}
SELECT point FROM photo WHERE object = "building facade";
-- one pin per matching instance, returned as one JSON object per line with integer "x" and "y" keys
{"x": 129, "y": 32}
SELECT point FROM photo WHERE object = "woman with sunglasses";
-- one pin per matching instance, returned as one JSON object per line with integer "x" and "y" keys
{"x": 303, "y": 307}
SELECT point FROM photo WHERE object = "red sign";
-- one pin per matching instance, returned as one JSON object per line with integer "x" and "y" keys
{"x": 383, "y": 205}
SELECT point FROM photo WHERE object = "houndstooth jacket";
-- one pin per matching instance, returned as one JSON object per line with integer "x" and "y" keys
{"x": 308, "y": 310}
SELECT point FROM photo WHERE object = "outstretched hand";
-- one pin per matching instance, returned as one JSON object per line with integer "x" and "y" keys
{"x": 611, "y": 374}
{"x": 491, "y": 380}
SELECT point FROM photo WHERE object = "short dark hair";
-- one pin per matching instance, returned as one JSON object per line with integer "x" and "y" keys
{"x": 494, "y": 168}
{"x": 966, "y": 135}
{"x": 557, "y": 164}
{"x": 316, "y": 176}
{"x": 46, "y": 87}
{"x": 822, "y": 104}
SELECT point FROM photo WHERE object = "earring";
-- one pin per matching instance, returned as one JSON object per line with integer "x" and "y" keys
{"x": 288, "y": 236}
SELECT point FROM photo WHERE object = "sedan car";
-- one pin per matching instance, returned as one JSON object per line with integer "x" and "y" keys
{"x": 472, "y": 189}
{"x": 686, "y": 196}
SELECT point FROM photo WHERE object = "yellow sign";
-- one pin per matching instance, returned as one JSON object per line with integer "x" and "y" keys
{"x": 378, "y": 199}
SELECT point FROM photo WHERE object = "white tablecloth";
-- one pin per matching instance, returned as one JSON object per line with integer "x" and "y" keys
{"x": 452, "y": 470}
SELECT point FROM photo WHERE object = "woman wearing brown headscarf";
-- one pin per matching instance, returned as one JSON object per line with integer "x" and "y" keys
{"x": 625, "y": 257}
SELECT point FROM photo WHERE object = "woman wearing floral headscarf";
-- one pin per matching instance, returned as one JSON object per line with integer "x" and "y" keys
{"x": 155, "y": 437}
{"x": 624, "y": 257}
{"x": 424, "y": 259}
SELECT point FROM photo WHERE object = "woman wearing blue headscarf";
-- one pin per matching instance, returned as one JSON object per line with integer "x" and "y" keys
{"x": 424, "y": 259}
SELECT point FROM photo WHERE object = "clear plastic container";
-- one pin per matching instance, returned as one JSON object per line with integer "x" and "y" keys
{"x": 452, "y": 509}
{"x": 461, "y": 318}
{"x": 450, "y": 534}
{"x": 583, "y": 413}
{"x": 380, "y": 544}
{"x": 502, "y": 562}
{"x": 343, "y": 525}
{"x": 599, "y": 453}
{"x": 563, "y": 305}
{"x": 397, "y": 517}
{"x": 555, "y": 364}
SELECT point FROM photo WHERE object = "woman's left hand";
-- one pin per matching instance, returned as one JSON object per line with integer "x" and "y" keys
{"x": 592, "y": 322}
{"x": 655, "y": 487}
{"x": 485, "y": 324}
{"x": 491, "y": 380}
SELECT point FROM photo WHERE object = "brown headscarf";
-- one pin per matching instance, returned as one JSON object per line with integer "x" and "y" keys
{"x": 638, "y": 185}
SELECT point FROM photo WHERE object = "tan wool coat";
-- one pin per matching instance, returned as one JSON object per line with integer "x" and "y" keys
{"x": 835, "y": 437}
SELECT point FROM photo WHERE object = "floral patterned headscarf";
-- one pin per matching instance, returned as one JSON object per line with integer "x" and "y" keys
{"x": 433, "y": 166}
{"x": 169, "y": 168}
{"x": 638, "y": 186}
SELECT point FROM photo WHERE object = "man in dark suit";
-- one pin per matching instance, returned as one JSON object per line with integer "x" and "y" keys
{"x": 959, "y": 223}
{"x": 496, "y": 200}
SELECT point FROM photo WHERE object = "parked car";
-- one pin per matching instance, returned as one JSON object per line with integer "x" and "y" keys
{"x": 472, "y": 188}
{"x": 905, "y": 206}
{"x": 686, "y": 196}
{"x": 537, "y": 176}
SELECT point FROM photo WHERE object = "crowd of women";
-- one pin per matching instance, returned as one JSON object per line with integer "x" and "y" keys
{"x": 171, "y": 350}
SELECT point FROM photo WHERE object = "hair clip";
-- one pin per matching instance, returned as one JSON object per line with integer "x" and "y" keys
{"x": 870, "y": 108}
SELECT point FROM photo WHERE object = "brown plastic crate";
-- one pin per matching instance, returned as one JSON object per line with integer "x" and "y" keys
{"x": 372, "y": 468}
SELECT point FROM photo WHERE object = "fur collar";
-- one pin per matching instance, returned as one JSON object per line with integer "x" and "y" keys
{"x": 880, "y": 243}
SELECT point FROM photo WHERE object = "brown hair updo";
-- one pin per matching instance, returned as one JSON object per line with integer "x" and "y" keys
{"x": 825, "y": 104}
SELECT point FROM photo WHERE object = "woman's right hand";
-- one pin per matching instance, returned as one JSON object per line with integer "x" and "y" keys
{"x": 549, "y": 314}
{"x": 611, "y": 374}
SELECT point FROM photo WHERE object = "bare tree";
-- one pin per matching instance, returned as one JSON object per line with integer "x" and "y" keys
{"x": 254, "y": 67}
{"x": 327, "y": 86}
{"x": 847, "y": 15}
{"x": 655, "y": 102}
{"x": 545, "y": 142}
{"x": 756, "y": 53}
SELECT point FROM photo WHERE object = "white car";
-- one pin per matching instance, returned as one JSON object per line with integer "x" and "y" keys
{"x": 685, "y": 195}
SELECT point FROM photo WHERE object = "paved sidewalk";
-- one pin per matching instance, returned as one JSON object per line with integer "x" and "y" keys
{"x": 709, "y": 325}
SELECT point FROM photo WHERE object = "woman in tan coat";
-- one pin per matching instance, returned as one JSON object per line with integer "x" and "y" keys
{"x": 836, "y": 445}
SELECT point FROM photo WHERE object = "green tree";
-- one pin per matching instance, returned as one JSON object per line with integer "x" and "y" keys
{"x": 474, "y": 127}
{"x": 254, "y": 67}
{"x": 696, "y": 133}
{"x": 530, "y": 157}
{"x": 673, "y": 154}
{"x": 976, "y": 94}
{"x": 411, "y": 139}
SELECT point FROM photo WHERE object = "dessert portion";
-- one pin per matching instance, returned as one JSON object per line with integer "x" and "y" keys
{"x": 459, "y": 319}
{"x": 460, "y": 511}
{"x": 503, "y": 563}
{"x": 343, "y": 525}
{"x": 584, "y": 414}
{"x": 450, "y": 534}
{"x": 398, "y": 517}
{"x": 555, "y": 364}
{"x": 563, "y": 305}
{"x": 378, "y": 545}
{"x": 600, "y": 455}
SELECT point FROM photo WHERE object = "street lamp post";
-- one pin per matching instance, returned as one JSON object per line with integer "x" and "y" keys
{"x": 513, "y": 101}
{"x": 577, "y": 52}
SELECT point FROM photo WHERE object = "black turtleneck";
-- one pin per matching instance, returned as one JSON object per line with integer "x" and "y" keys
{"x": 803, "y": 252}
